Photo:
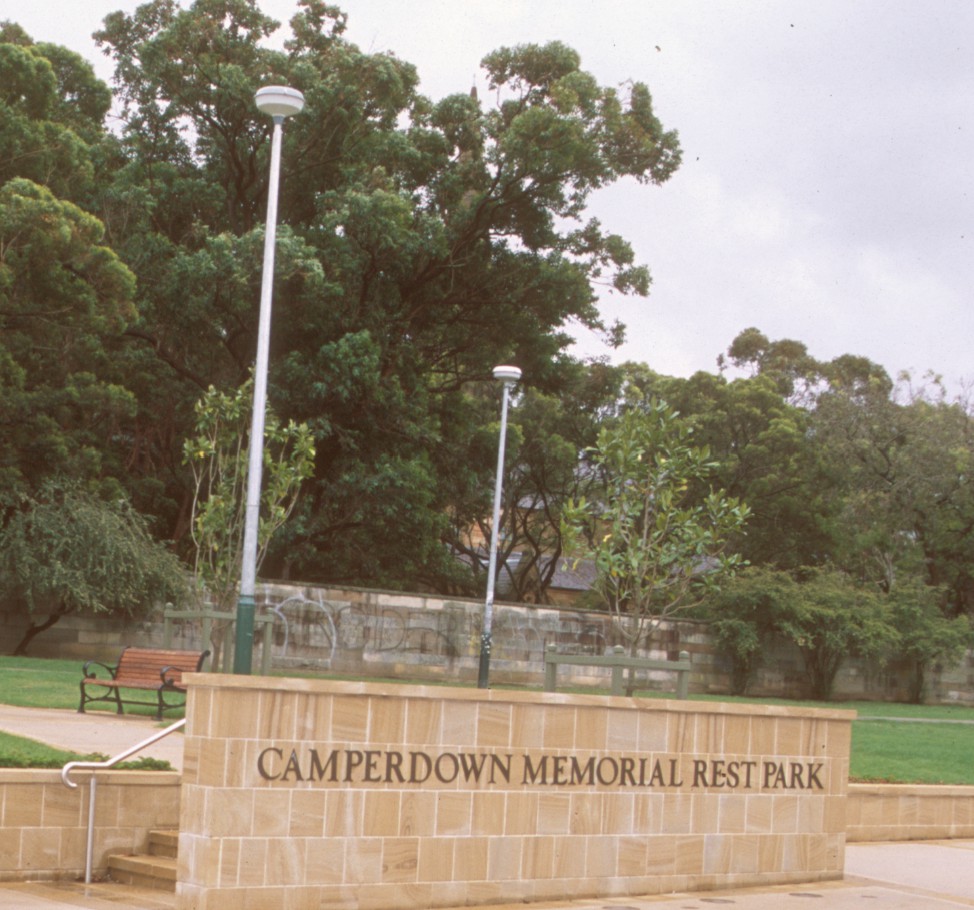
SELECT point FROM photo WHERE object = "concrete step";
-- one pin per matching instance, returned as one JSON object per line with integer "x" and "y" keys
{"x": 157, "y": 872}
{"x": 157, "y": 869}
{"x": 163, "y": 843}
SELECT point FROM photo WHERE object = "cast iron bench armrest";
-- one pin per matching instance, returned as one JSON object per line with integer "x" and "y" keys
{"x": 88, "y": 674}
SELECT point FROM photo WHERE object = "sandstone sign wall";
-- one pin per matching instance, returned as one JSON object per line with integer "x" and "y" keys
{"x": 306, "y": 793}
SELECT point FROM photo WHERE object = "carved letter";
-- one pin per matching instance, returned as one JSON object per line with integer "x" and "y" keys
{"x": 534, "y": 775}
{"x": 583, "y": 774}
{"x": 319, "y": 770}
{"x": 673, "y": 775}
{"x": 626, "y": 772}
{"x": 613, "y": 776}
{"x": 353, "y": 758}
{"x": 797, "y": 775}
{"x": 656, "y": 778}
{"x": 472, "y": 765}
{"x": 292, "y": 768}
{"x": 450, "y": 775}
{"x": 371, "y": 764}
{"x": 394, "y": 767}
{"x": 502, "y": 764}
{"x": 415, "y": 760}
{"x": 699, "y": 773}
{"x": 558, "y": 763}
{"x": 814, "y": 783}
{"x": 261, "y": 767}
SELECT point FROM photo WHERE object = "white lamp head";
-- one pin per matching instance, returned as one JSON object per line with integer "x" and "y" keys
{"x": 279, "y": 100}
{"x": 507, "y": 373}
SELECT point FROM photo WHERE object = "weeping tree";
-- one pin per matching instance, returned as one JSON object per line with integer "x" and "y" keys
{"x": 68, "y": 550}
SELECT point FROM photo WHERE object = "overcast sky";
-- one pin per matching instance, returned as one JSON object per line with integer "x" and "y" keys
{"x": 826, "y": 192}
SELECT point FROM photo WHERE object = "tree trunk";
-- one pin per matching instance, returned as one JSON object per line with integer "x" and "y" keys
{"x": 822, "y": 667}
{"x": 918, "y": 683}
{"x": 35, "y": 629}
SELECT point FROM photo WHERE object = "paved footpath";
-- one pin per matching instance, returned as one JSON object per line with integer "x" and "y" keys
{"x": 96, "y": 731}
{"x": 926, "y": 876}
{"x": 933, "y": 875}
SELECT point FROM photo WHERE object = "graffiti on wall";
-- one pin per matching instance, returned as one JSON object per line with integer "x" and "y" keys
{"x": 313, "y": 628}
{"x": 329, "y": 631}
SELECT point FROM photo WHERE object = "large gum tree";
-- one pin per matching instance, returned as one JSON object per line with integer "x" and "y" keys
{"x": 421, "y": 242}
{"x": 64, "y": 293}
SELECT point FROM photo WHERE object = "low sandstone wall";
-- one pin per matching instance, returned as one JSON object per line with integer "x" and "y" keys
{"x": 898, "y": 812}
{"x": 44, "y": 824}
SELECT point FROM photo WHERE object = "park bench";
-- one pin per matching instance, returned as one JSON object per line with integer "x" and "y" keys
{"x": 157, "y": 670}
{"x": 618, "y": 661}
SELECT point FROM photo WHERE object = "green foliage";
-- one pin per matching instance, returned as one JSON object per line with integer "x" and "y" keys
{"x": 69, "y": 547}
{"x": 926, "y": 636}
{"x": 52, "y": 108}
{"x": 68, "y": 550}
{"x": 64, "y": 292}
{"x": 765, "y": 455}
{"x": 659, "y": 538}
{"x": 823, "y": 612}
{"x": 743, "y": 616}
{"x": 545, "y": 434}
{"x": 422, "y": 237}
{"x": 903, "y": 461}
{"x": 218, "y": 455}
{"x": 61, "y": 295}
{"x": 829, "y": 617}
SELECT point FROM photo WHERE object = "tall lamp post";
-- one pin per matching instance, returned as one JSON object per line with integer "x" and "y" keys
{"x": 278, "y": 102}
{"x": 508, "y": 375}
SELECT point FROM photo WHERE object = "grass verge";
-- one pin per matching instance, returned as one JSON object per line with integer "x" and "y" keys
{"x": 19, "y": 752}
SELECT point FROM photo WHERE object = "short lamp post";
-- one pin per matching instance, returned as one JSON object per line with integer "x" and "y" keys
{"x": 507, "y": 375}
{"x": 278, "y": 102}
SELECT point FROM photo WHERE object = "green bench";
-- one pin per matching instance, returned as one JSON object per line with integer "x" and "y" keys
{"x": 619, "y": 662}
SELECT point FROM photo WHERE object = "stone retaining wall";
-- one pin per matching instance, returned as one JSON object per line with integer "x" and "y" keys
{"x": 360, "y": 632}
{"x": 898, "y": 812}
{"x": 44, "y": 824}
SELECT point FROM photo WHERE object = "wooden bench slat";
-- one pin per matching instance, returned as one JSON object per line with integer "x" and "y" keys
{"x": 159, "y": 670}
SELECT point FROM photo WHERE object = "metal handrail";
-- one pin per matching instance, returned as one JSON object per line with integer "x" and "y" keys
{"x": 94, "y": 766}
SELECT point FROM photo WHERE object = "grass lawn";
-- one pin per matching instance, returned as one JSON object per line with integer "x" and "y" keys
{"x": 933, "y": 752}
{"x": 927, "y": 744}
{"x": 28, "y": 682}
